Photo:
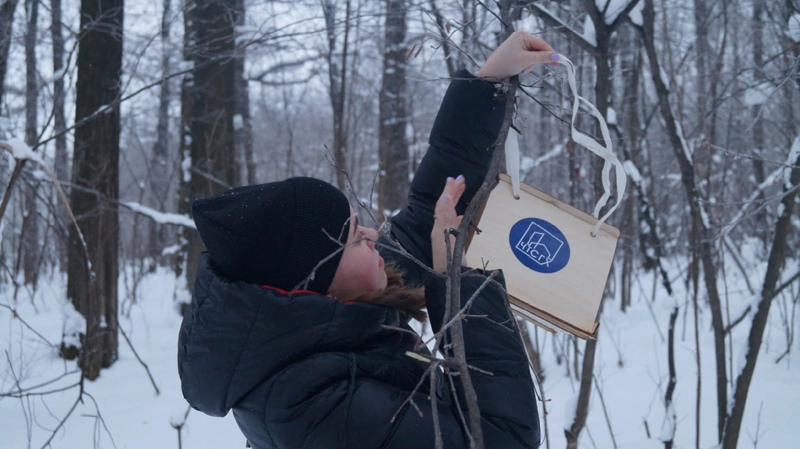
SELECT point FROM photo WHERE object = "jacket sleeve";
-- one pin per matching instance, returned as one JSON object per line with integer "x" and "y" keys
{"x": 349, "y": 409}
{"x": 461, "y": 141}
{"x": 506, "y": 397}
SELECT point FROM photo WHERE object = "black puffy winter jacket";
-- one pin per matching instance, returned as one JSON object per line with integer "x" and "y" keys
{"x": 302, "y": 370}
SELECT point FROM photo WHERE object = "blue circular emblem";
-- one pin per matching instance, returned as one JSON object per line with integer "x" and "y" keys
{"x": 539, "y": 245}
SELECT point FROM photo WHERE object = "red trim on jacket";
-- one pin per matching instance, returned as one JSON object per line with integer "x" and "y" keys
{"x": 296, "y": 292}
{"x": 290, "y": 292}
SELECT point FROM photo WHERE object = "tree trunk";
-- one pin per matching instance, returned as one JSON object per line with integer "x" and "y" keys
{"x": 669, "y": 412}
{"x": 582, "y": 409}
{"x": 603, "y": 87}
{"x": 243, "y": 126}
{"x": 393, "y": 181}
{"x": 92, "y": 284}
{"x": 7, "y": 9}
{"x": 469, "y": 33}
{"x": 31, "y": 249}
{"x": 777, "y": 257}
{"x": 602, "y": 91}
{"x": 705, "y": 244}
{"x": 630, "y": 68}
{"x": 789, "y": 10}
{"x": 337, "y": 77}
{"x": 212, "y": 48}
{"x": 59, "y": 120}
{"x": 446, "y": 51}
{"x": 759, "y": 138}
{"x": 159, "y": 173}
{"x": 702, "y": 56}
{"x": 184, "y": 157}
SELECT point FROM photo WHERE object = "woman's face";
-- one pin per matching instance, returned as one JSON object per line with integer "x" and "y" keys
{"x": 361, "y": 268}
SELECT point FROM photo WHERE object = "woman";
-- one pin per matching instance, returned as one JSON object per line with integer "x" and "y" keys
{"x": 294, "y": 320}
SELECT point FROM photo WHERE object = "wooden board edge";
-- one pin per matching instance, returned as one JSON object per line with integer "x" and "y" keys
{"x": 531, "y": 318}
{"x": 554, "y": 320}
{"x": 561, "y": 205}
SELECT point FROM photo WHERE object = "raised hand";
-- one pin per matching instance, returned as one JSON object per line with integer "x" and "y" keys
{"x": 445, "y": 217}
{"x": 518, "y": 53}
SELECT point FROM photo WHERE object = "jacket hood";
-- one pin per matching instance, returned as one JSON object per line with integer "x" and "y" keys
{"x": 236, "y": 335}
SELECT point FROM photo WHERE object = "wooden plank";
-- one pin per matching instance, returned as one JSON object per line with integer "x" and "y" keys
{"x": 561, "y": 205}
{"x": 567, "y": 298}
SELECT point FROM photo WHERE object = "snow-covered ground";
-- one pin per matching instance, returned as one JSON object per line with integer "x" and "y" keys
{"x": 121, "y": 408}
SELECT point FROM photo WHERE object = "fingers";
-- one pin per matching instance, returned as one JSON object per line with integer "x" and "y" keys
{"x": 538, "y": 51}
{"x": 519, "y": 53}
{"x": 542, "y": 57}
{"x": 445, "y": 211}
{"x": 456, "y": 187}
{"x": 533, "y": 43}
{"x": 453, "y": 189}
{"x": 445, "y": 217}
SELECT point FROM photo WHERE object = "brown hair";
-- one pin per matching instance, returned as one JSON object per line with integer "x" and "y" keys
{"x": 407, "y": 300}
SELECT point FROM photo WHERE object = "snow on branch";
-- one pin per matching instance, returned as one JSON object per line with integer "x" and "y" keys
{"x": 21, "y": 151}
{"x": 768, "y": 181}
{"x": 612, "y": 10}
{"x": 793, "y": 30}
{"x": 551, "y": 19}
{"x": 528, "y": 163}
{"x": 160, "y": 217}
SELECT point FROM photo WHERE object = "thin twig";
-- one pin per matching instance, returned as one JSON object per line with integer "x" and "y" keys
{"x": 78, "y": 400}
{"x": 136, "y": 354}
{"x": 41, "y": 393}
{"x": 10, "y": 188}
{"x": 99, "y": 417}
{"x": 16, "y": 315}
{"x": 605, "y": 411}
{"x": 454, "y": 394}
{"x": 733, "y": 324}
{"x": 22, "y": 401}
{"x": 437, "y": 431}
{"x": 783, "y": 286}
{"x": 467, "y": 305}
{"x": 503, "y": 22}
{"x": 24, "y": 390}
{"x": 410, "y": 398}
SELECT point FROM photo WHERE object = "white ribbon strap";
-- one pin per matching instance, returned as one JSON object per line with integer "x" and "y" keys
{"x": 512, "y": 160}
{"x": 606, "y": 152}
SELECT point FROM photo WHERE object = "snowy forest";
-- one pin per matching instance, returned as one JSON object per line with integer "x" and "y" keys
{"x": 115, "y": 115}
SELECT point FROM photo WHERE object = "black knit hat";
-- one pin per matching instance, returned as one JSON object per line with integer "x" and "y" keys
{"x": 272, "y": 234}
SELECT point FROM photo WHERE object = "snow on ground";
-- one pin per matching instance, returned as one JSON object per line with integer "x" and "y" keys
{"x": 631, "y": 372}
{"x": 135, "y": 417}
{"x": 793, "y": 30}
